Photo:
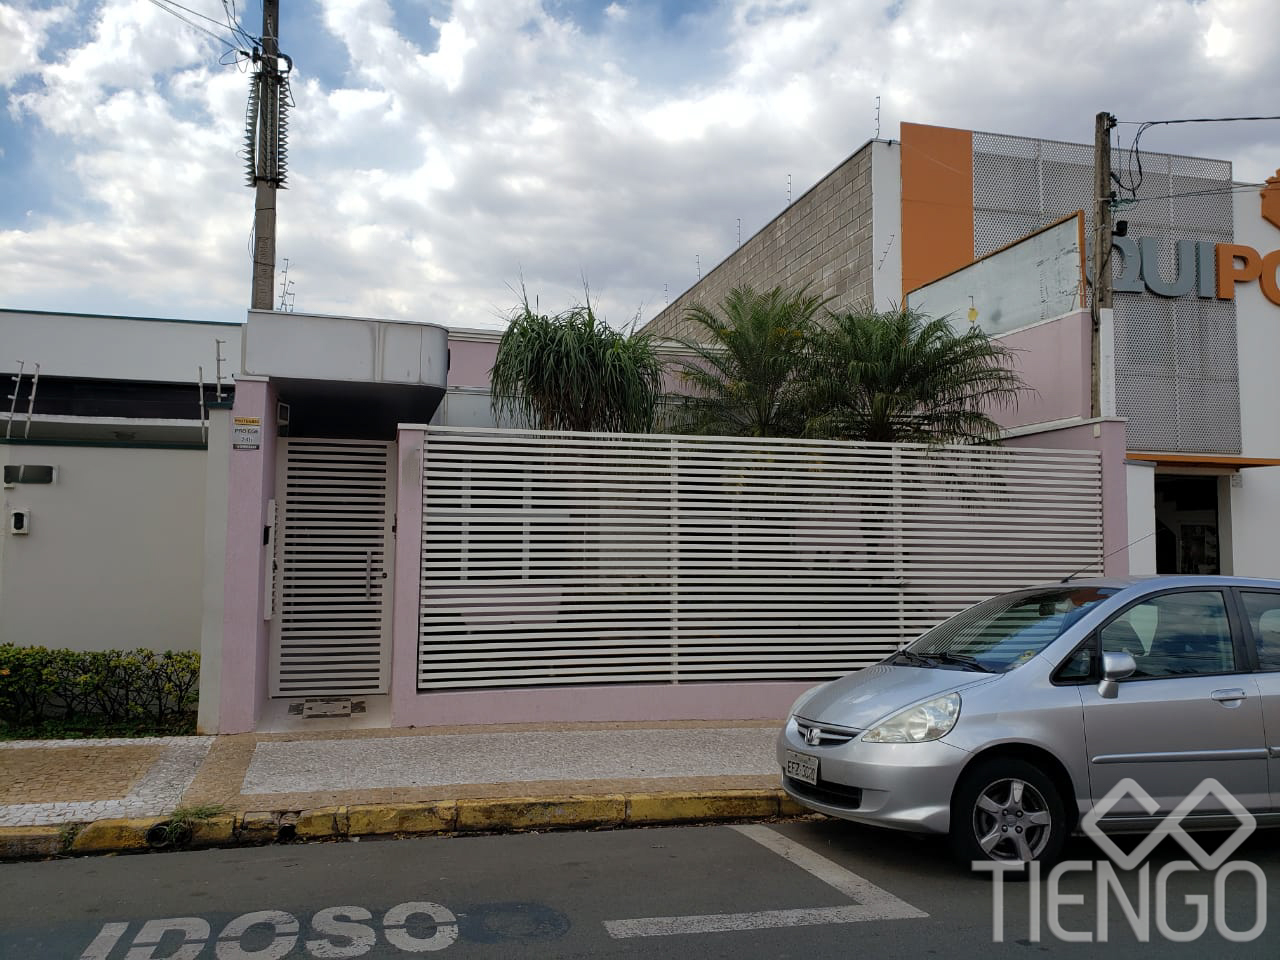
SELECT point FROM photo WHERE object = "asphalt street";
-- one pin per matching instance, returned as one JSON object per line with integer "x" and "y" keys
{"x": 811, "y": 889}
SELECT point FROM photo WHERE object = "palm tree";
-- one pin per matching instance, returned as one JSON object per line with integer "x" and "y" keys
{"x": 572, "y": 371}
{"x": 900, "y": 377}
{"x": 742, "y": 374}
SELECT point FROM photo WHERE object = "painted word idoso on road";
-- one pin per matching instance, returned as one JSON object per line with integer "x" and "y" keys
{"x": 334, "y": 932}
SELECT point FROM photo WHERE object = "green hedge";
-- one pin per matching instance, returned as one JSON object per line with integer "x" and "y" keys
{"x": 69, "y": 692}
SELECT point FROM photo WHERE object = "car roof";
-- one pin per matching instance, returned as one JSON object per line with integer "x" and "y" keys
{"x": 1154, "y": 582}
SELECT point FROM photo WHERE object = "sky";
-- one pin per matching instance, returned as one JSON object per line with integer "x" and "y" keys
{"x": 443, "y": 155}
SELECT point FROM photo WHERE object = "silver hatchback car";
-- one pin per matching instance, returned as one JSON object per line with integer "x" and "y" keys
{"x": 1005, "y": 724}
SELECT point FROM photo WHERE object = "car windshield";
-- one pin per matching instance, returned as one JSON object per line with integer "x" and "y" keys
{"x": 1004, "y": 632}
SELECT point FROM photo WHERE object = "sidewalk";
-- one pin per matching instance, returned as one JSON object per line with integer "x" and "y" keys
{"x": 93, "y": 796}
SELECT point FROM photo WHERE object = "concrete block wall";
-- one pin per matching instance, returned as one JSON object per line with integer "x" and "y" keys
{"x": 822, "y": 242}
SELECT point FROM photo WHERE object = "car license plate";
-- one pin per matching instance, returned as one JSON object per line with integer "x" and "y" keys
{"x": 801, "y": 766}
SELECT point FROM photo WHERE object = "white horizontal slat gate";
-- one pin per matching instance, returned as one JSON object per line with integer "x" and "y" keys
{"x": 561, "y": 558}
{"x": 330, "y": 633}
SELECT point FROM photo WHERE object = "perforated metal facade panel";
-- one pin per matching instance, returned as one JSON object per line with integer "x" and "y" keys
{"x": 1177, "y": 375}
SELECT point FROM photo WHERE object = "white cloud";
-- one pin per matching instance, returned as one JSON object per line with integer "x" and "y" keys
{"x": 435, "y": 172}
{"x": 23, "y": 34}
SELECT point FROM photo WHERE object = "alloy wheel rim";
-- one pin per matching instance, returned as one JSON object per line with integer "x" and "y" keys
{"x": 1011, "y": 820}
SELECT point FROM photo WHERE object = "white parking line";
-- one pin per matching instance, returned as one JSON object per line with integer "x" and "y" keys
{"x": 872, "y": 902}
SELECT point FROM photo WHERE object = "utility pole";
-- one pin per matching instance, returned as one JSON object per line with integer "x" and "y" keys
{"x": 1101, "y": 249}
{"x": 267, "y": 154}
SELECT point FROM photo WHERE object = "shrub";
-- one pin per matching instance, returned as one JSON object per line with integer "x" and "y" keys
{"x": 44, "y": 691}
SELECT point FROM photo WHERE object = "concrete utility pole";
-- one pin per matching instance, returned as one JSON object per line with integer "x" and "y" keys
{"x": 268, "y": 159}
{"x": 1101, "y": 248}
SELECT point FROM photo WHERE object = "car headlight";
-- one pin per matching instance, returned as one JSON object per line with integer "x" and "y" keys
{"x": 918, "y": 724}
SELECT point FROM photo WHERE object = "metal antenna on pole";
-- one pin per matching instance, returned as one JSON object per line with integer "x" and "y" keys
{"x": 739, "y": 231}
{"x": 877, "y": 118}
{"x": 31, "y": 401}
{"x": 204, "y": 422}
{"x": 217, "y": 349}
{"x": 697, "y": 259}
{"x": 13, "y": 399}
{"x": 267, "y": 151}
{"x": 788, "y": 189}
{"x": 666, "y": 295}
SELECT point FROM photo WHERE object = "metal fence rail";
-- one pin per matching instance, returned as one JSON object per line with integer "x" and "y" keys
{"x": 562, "y": 558}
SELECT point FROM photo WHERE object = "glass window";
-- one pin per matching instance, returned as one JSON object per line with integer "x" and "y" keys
{"x": 1175, "y": 634}
{"x": 1263, "y": 610}
{"x": 1006, "y": 631}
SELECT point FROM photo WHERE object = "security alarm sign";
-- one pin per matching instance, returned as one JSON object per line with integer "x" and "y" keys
{"x": 246, "y": 433}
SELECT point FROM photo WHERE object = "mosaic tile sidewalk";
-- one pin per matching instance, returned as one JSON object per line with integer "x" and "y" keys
{"x": 56, "y": 782}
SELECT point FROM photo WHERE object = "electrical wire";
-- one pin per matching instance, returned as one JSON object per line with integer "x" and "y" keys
{"x": 169, "y": 10}
{"x": 1212, "y": 192}
{"x": 1135, "y": 153}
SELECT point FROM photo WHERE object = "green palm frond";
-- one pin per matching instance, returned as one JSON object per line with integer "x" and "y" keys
{"x": 571, "y": 371}
{"x": 899, "y": 376}
{"x": 742, "y": 375}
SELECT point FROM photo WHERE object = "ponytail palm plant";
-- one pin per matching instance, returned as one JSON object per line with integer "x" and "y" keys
{"x": 742, "y": 374}
{"x": 900, "y": 377}
{"x": 572, "y": 371}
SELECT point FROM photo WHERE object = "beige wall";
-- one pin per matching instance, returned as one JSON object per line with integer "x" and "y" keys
{"x": 114, "y": 558}
{"x": 822, "y": 242}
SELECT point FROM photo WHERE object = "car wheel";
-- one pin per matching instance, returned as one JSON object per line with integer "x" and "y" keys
{"x": 1006, "y": 809}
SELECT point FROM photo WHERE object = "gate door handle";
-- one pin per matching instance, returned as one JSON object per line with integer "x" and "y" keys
{"x": 1227, "y": 696}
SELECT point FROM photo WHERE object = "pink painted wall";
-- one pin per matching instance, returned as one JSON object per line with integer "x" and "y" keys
{"x": 470, "y": 363}
{"x": 246, "y": 635}
{"x": 1054, "y": 359}
{"x": 408, "y": 578}
{"x": 1110, "y": 442}
{"x": 694, "y": 701}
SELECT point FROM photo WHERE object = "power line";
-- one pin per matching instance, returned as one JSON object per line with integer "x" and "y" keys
{"x": 159, "y": 4}
{"x": 1135, "y": 153}
{"x": 1154, "y": 123}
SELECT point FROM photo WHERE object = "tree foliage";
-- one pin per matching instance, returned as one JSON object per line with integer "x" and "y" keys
{"x": 745, "y": 359}
{"x": 900, "y": 377}
{"x": 572, "y": 371}
{"x": 768, "y": 365}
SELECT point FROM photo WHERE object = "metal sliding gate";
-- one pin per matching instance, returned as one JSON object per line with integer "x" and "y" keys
{"x": 552, "y": 559}
{"x": 330, "y": 630}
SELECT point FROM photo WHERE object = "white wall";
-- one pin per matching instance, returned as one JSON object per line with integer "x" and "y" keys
{"x": 886, "y": 223}
{"x": 117, "y": 348}
{"x": 114, "y": 558}
{"x": 1255, "y": 504}
{"x": 1140, "y": 486}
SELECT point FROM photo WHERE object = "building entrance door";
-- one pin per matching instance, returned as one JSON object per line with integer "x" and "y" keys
{"x": 1187, "y": 524}
{"x": 330, "y": 622}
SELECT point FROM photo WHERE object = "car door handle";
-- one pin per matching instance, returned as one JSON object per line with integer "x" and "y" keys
{"x": 1228, "y": 696}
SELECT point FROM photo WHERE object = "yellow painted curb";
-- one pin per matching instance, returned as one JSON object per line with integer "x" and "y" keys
{"x": 368, "y": 819}
{"x": 321, "y": 822}
{"x": 540, "y": 813}
{"x": 20, "y": 842}
{"x": 258, "y": 827}
{"x": 216, "y": 831}
{"x": 686, "y": 806}
{"x": 790, "y": 808}
{"x": 112, "y": 836}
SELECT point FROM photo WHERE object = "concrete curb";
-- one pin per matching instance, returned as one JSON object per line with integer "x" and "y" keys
{"x": 433, "y": 818}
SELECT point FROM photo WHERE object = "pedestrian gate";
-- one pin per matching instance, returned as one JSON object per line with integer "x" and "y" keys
{"x": 330, "y": 617}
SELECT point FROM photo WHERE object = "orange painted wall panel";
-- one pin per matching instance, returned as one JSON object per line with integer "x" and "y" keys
{"x": 937, "y": 203}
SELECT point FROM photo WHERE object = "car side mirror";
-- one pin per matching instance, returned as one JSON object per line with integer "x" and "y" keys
{"x": 1115, "y": 667}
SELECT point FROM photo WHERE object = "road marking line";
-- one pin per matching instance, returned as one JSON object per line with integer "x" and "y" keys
{"x": 873, "y": 903}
